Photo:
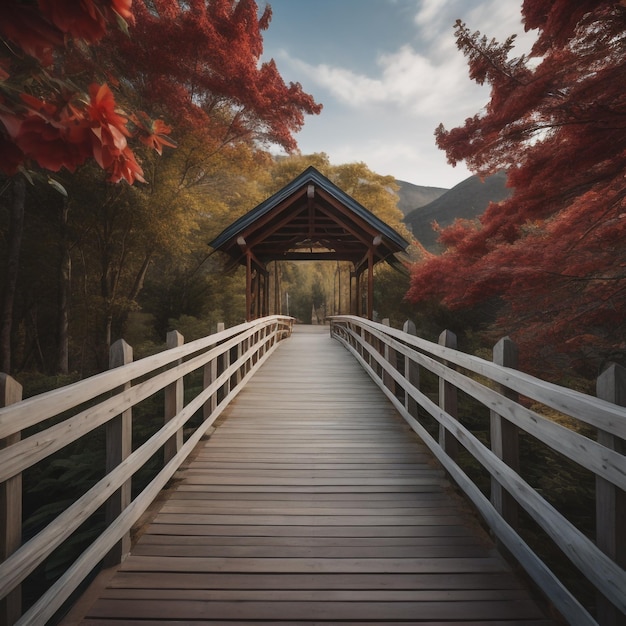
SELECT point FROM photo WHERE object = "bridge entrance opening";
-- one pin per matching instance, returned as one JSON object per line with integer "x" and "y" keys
{"x": 310, "y": 219}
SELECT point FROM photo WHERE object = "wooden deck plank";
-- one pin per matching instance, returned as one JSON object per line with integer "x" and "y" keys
{"x": 313, "y": 531}
{"x": 132, "y": 622}
{"x": 321, "y": 595}
{"x": 323, "y": 611}
{"x": 318, "y": 542}
{"x": 504, "y": 581}
{"x": 313, "y": 503}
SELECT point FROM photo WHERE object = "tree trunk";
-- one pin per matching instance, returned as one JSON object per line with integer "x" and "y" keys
{"x": 136, "y": 288}
{"x": 64, "y": 277}
{"x": 16, "y": 229}
{"x": 141, "y": 276}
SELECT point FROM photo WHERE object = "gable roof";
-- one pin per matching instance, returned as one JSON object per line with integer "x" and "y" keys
{"x": 309, "y": 218}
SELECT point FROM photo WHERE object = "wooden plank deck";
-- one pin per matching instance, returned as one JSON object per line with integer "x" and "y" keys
{"x": 313, "y": 503}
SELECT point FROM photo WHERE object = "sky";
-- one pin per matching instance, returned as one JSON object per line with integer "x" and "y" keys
{"x": 387, "y": 73}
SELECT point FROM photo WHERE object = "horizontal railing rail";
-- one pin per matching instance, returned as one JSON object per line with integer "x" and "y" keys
{"x": 223, "y": 361}
{"x": 397, "y": 362}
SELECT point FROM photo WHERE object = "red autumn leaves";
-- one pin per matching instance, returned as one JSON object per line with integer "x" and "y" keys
{"x": 53, "y": 123}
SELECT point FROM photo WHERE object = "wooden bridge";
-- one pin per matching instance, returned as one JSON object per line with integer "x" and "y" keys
{"x": 313, "y": 500}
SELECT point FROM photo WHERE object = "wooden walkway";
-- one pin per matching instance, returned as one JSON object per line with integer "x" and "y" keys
{"x": 313, "y": 503}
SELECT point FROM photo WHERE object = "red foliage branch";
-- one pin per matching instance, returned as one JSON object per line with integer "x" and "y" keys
{"x": 209, "y": 74}
{"x": 45, "y": 117}
{"x": 554, "y": 252}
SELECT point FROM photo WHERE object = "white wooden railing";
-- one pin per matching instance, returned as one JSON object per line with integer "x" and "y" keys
{"x": 396, "y": 360}
{"x": 226, "y": 360}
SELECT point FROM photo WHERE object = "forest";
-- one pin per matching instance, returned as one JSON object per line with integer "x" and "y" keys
{"x": 115, "y": 174}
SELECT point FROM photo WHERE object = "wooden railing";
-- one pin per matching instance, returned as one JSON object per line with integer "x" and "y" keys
{"x": 398, "y": 362}
{"x": 223, "y": 362}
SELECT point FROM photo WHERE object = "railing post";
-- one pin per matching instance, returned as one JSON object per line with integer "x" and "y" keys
{"x": 388, "y": 352}
{"x": 505, "y": 436}
{"x": 611, "y": 500}
{"x": 237, "y": 355}
{"x": 255, "y": 353}
{"x": 448, "y": 400}
{"x": 118, "y": 447}
{"x": 174, "y": 399}
{"x": 225, "y": 366}
{"x": 245, "y": 368}
{"x": 210, "y": 374}
{"x": 411, "y": 372}
{"x": 10, "y": 507}
{"x": 358, "y": 343}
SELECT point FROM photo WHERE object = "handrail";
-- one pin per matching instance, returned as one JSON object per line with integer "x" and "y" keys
{"x": 227, "y": 359}
{"x": 394, "y": 359}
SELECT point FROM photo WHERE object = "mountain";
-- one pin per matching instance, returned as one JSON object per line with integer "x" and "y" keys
{"x": 467, "y": 200}
{"x": 414, "y": 196}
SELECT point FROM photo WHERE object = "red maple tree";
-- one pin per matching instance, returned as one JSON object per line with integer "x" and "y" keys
{"x": 554, "y": 254}
{"x": 46, "y": 116}
{"x": 198, "y": 63}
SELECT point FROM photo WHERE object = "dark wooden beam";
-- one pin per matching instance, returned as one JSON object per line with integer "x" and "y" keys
{"x": 370, "y": 284}
{"x": 248, "y": 287}
{"x": 317, "y": 256}
{"x": 376, "y": 241}
{"x": 310, "y": 195}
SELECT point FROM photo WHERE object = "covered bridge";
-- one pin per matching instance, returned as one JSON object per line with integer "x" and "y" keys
{"x": 310, "y": 219}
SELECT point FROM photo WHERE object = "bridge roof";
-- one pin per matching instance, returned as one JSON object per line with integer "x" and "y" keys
{"x": 310, "y": 218}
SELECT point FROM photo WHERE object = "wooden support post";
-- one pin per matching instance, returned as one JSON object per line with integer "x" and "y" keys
{"x": 339, "y": 309}
{"x": 370, "y": 284}
{"x": 411, "y": 372}
{"x": 390, "y": 357}
{"x": 248, "y": 286}
{"x": 505, "y": 436}
{"x": 209, "y": 375}
{"x": 245, "y": 368}
{"x": 448, "y": 400}
{"x": 277, "y": 310}
{"x": 174, "y": 399}
{"x": 253, "y": 279}
{"x": 262, "y": 341}
{"x": 225, "y": 366}
{"x": 257, "y": 295}
{"x": 236, "y": 352}
{"x": 358, "y": 342}
{"x": 255, "y": 357}
{"x": 352, "y": 299}
{"x": 118, "y": 447}
{"x": 10, "y": 507}
{"x": 611, "y": 500}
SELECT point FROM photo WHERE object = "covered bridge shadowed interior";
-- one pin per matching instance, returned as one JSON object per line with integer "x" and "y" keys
{"x": 310, "y": 219}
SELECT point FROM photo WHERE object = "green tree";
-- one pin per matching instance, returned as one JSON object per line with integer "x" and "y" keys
{"x": 376, "y": 192}
{"x": 209, "y": 81}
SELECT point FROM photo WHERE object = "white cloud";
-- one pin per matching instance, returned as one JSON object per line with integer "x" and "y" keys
{"x": 430, "y": 12}
{"x": 495, "y": 19}
{"x": 384, "y": 112}
{"x": 431, "y": 81}
{"x": 406, "y": 80}
{"x": 347, "y": 86}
